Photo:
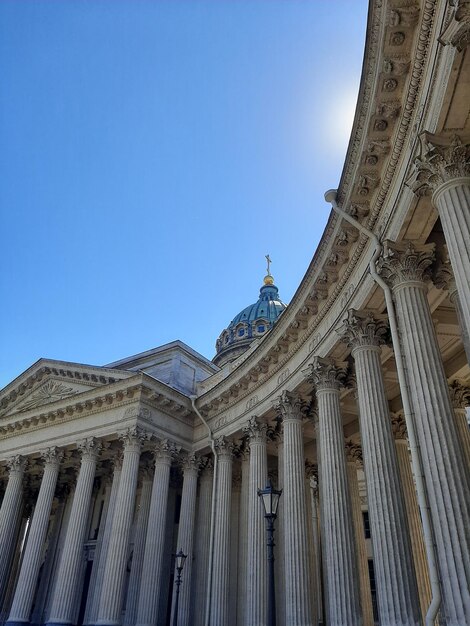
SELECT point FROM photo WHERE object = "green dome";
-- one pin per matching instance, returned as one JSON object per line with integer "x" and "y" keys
{"x": 252, "y": 322}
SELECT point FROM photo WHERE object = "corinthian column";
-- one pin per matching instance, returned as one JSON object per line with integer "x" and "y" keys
{"x": 279, "y": 562}
{"x": 151, "y": 581}
{"x": 62, "y": 610}
{"x": 339, "y": 555}
{"x": 191, "y": 464}
{"x": 298, "y": 587}
{"x": 413, "y": 515}
{"x": 353, "y": 458}
{"x": 109, "y": 612}
{"x": 393, "y": 565}
{"x": 405, "y": 267}
{"x": 243, "y": 532}
{"x": 219, "y": 610}
{"x": 256, "y": 581}
{"x": 443, "y": 168}
{"x": 9, "y": 515}
{"x": 460, "y": 397}
{"x": 135, "y": 576}
{"x": 26, "y": 585}
{"x": 201, "y": 552}
{"x": 101, "y": 554}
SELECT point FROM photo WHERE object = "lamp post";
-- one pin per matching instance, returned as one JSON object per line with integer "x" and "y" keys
{"x": 180, "y": 558}
{"x": 270, "y": 499}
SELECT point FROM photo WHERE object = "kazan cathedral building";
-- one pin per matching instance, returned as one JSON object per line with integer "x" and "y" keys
{"x": 351, "y": 400}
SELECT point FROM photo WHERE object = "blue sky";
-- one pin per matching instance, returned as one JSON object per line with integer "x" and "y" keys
{"x": 151, "y": 154}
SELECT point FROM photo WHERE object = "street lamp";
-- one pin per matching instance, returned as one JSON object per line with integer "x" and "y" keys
{"x": 270, "y": 499}
{"x": 180, "y": 558}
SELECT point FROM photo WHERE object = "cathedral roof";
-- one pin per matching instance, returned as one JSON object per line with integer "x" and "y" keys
{"x": 252, "y": 322}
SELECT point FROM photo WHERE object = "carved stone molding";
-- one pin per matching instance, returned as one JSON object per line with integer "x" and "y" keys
{"x": 440, "y": 160}
{"x": 363, "y": 328}
{"x": 405, "y": 262}
{"x": 324, "y": 373}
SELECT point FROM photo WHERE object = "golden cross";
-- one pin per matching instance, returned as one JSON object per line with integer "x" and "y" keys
{"x": 269, "y": 263}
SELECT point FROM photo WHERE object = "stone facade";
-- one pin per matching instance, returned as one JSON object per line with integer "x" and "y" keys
{"x": 353, "y": 403}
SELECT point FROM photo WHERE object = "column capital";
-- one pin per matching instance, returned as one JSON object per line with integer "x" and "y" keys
{"x": 363, "y": 328}
{"x": 207, "y": 466}
{"x": 17, "y": 463}
{"x": 444, "y": 276}
{"x": 116, "y": 461}
{"x": 353, "y": 452}
{"x": 311, "y": 470}
{"x": 399, "y": 427}
{"x": 325, "y": 373}
{"x": 164, "y": 451}
{"x": 441, "y": 161}
{"x": 132, "y": 438}
{"x": 405, "y": 262}
{"x": 255, "y": 430}
{"x": 459, "y": 394}
{"x": 457, "y": 32}
{"x": 52, "y": 456}
{"x": 225, "y": 448}
{"x": 90, "y": 448}
{"x": 290, "y": 406}
{"x": 191, "y": 463}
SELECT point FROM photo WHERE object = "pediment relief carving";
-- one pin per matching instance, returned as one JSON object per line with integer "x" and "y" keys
{"x": 46, "y": 392}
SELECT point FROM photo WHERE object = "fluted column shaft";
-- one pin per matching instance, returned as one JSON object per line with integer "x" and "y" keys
{"x": 203, "y": 530}
{"x": 298, "y": 587}
{"x": 339, "y": 555}
{"x": 186, "y": 535}
{"x": 101, "y": 555}
{"x": 256, "y": 575}
{"x": 413, "y": 516}
{"x": 26, "y": 585}
{"x": 317, "y": 546}
{"x": 312, "y": 561}
{"x": 139, "y": 549}
{"x": 151, "y": 580}
{"x": 452, "y": 200}
{"x": 62, "y": 610}
{"x": 219, "y": 610}
{"x": 361, "y": 550}
{"x": 279, "y": 539}
{"x": 109, "y": 612}
{"x": 10, "y": 512}
{"x": 404, "y": 267}
{"x": 396, "y": 584}
{"x": 243, "y": 535}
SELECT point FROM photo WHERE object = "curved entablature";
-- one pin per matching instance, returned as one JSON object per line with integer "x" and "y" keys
{"x": 380, "y": 156}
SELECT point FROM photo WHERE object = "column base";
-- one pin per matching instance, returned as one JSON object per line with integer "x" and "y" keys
{"x": 17, "y": 622}
{"x": 58, "y": 623}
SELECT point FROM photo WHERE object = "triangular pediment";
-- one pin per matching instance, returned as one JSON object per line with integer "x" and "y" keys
{"x": 49, "y": 381}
